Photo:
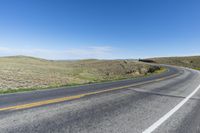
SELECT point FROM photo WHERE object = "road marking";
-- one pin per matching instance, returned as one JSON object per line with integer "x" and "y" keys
{"x": 35, "y": 104}
{"x": 68, "y": 98}
{"x": 170, "y": 113}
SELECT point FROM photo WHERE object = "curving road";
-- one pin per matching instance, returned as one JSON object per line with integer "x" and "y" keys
{"x": 169, "y": 102}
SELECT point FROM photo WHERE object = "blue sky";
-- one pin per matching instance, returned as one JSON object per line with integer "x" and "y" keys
{"x": 104, "y": 29}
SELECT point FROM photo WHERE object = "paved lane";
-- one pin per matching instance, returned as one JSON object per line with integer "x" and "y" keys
{"x": 128, "y": 110}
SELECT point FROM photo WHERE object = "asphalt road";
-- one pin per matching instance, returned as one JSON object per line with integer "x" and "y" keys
{"x": 165, "y": 103}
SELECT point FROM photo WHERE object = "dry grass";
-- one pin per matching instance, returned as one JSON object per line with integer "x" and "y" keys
{"x": 21, "y": 72}
{"x": 190, "y": 61}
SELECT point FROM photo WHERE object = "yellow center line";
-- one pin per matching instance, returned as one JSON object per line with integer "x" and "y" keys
{"x": 68, "y": 98}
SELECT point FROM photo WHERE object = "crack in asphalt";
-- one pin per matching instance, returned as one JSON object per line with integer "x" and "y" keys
{"x": 161, "y": 94}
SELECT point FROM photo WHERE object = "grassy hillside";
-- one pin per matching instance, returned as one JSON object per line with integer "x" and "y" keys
{"x": 20, "y": 72}
{"x": 190, "y": 61}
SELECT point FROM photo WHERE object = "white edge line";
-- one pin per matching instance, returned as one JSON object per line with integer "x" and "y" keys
{"x": 170, "y": 113}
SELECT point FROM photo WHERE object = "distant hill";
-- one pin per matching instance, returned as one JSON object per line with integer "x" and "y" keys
{"x": 18, "y": 72}
{"x": 187, "y": 61}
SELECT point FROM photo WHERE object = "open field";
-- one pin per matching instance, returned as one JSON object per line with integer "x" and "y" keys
{"x": 22, "y": 73}
{"x": 188, "y": 61}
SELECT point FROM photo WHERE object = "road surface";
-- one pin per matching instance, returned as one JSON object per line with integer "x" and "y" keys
{"x": 165, "y": 103}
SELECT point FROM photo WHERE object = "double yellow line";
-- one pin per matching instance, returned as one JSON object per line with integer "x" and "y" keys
{"x": 68, "y": 98}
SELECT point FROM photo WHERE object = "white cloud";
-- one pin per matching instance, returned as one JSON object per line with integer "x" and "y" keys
{"x": 99, "y": 52}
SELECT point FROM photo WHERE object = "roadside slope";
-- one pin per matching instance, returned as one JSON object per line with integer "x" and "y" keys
{"x": 187, "y": 61}
{"x": 21, "y": 72}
